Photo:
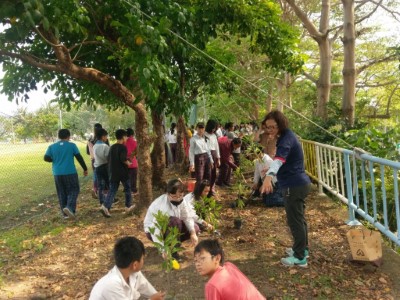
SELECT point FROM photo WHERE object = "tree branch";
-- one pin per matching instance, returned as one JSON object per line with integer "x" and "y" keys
{"x": 309, "y": 77}
{"x": 369, "y": 14}
{"x": 392, "y": 57}
{"x": 312, "y": 30}
{"x": 364, "y": 85}
{"x": 31, "y": 60}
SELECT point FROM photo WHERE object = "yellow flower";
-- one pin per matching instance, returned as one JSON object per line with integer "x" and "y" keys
{"x": 175, "y": 265}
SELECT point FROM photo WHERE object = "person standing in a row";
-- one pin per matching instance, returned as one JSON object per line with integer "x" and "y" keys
{"x": 212, "y": 143}
{"x": 200, "y": 157}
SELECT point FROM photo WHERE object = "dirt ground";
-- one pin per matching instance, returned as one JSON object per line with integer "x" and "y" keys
{"x": 73, "y": 260}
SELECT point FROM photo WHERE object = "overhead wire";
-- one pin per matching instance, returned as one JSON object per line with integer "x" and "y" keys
{"x": 237, "y": 74}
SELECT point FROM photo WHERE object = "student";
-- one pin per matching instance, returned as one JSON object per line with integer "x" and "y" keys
{"x": 125, "y": 281}
{"x": 201, "y": 189}
{"x": 226, "y": 281}
{"x": 131, "y": 146}
{"x": 200, "y": 157}
{"x": 212, "y": 143}
{"x": 226, "y": 148}
{"x": 171, "y": 139}
{"x": 262, "y": 163}
{"x": 288, "y": 166}
{"x": 61, "y": 154}
{"x": 118, "y": 172}
{"x": 100, "y": 152}
{"x": 89, "y": 150}
{"x": 171, "y": 203}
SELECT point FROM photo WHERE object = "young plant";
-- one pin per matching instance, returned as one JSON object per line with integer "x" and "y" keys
{"x": 208, "y": 209}
{"x": 167, "y": 243}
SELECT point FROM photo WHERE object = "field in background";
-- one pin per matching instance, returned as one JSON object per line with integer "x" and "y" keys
{"x": 26, "y": 180}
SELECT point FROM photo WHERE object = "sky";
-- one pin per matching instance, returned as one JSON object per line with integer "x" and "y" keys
{"x": 38, "y": 99}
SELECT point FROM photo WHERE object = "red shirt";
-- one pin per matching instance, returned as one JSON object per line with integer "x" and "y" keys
{"x": 131, "y": 146}
{"x": 225, "y": 151}
{"x": 228, "y": 283}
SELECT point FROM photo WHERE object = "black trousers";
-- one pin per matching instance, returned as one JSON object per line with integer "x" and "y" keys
{"x": 294, "y": 198}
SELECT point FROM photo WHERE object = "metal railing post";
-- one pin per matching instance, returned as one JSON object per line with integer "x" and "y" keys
{"x": 316, "y": 149}
{"x": 352, "y": 221}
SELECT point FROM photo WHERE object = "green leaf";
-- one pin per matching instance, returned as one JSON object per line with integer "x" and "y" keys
{"x": 146, "y": 73}
{"x": 46, "y": 24}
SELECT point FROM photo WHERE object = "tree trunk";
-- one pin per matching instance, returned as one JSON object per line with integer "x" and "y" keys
{"x": 268, "y": 101}
{"x": 321, "y": 36}
{"x": 349, "y": 67}
{"x": 281, "y": 95}
{"x": 143, "y": 155}
{"x": 288, "y": 83}
{"x": 324, "y": 80}
{"x": 158, "y": 152}
{"x": 181, "y": 159}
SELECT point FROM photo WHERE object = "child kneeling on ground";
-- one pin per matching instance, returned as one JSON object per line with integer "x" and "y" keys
{"x": 262, "y": 163}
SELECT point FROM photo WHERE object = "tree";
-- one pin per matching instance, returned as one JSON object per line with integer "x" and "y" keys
{"x": 118, "y": 53}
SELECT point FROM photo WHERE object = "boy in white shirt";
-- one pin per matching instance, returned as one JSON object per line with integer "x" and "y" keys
{"x": 125, "y": 281}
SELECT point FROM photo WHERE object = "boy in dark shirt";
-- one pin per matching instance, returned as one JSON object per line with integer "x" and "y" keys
{"x": 118, "y": 172}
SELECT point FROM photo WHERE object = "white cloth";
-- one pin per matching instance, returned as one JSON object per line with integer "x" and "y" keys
{"x": 100, "y": 152}
{"x": 171, "y": 138}
{"x": 114, "y": 287}
{"x": 219, "y": 132}
{"x": 261, "y": 166}
{"x": 212, "y": 142}
{"x": 162, "y": 204}
{"x": 198, "y": 145}
{"x": 189, "y": 199}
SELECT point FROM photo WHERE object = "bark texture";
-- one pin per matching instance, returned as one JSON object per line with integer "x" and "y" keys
{"x": 349, "y": 66}
{"x": 158, "y": 152}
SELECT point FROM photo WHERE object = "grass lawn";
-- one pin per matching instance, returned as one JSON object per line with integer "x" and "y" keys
{"x": 26, "y": 179}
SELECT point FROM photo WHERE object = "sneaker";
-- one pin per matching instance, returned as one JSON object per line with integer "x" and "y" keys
{"x": 94, "y": 194}
{"x": 65, "y": 217}
{"x": 293, "y": 261}
{"x": 290, "y": 252}
{"x": 105, "y": 212}
{"x": 116, "y": 200}
{"x": 68, "y": 212}
{"x": 129, "y": 209}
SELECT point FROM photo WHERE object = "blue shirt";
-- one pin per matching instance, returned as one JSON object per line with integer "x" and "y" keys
{"x": 62, "y": 153}
{"x": 289, "y": 151}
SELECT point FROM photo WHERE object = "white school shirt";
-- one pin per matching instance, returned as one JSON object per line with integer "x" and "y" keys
{"x": 114, "y": 287}
{"x": 261, "y": 165}
{"x": 189, "y": 199}
{"x": 212, "y": 142}
{"x": 100, "y": 153}
{"x": 198, "y": 145}
{"x": 162, "y": 204}
{"x": 171, "y": 138}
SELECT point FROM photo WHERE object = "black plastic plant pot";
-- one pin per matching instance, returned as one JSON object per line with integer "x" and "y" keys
{"x": 237, "y": 223}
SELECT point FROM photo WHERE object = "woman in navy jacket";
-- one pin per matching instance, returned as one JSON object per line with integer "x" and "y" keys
{"x": 288, "y": 166}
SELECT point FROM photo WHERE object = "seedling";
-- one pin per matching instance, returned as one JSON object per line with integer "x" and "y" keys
{"x": 167, "y": 243}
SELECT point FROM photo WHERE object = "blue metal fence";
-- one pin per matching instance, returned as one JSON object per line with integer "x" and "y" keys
{"x": 368, "y": 185}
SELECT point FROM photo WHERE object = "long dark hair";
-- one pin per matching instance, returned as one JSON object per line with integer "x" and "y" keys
{"x": 199, "y": 188}
{"x": 211, "y": 126}
{"x": 173, "y": 125}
